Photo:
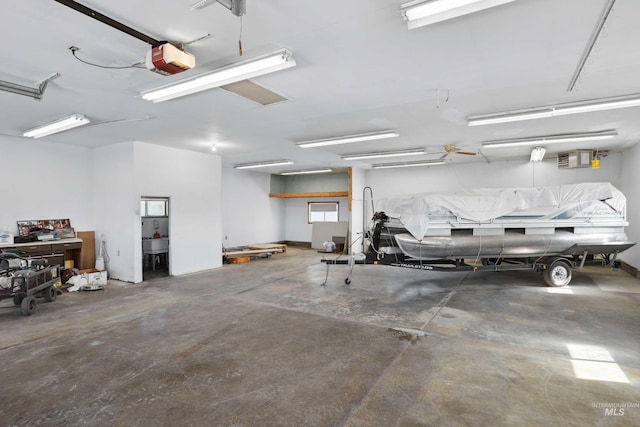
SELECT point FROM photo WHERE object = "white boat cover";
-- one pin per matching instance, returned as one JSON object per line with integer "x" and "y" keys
{"x": 486, "y": 204}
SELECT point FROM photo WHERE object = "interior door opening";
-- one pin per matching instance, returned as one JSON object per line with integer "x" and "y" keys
{"x": 154, "y": 214}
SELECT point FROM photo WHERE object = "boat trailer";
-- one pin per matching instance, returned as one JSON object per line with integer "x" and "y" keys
{"x": 556, "y": 269}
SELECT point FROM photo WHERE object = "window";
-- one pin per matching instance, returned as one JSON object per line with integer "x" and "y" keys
{"x": 154, "y": 207}
{"x": 323, "y": 212}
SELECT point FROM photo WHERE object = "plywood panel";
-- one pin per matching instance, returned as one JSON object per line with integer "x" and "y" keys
{"x": 324, "y": 231}
{"x": 88, "y": 252}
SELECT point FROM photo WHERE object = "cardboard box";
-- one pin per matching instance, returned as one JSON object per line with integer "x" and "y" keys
{"x": 88, "y": 280}
{"x": 97, "y": 278}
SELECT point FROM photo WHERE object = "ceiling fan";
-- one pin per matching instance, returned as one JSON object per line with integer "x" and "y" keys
{"x": 451, "y": 148}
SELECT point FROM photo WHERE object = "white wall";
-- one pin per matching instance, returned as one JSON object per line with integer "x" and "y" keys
{"x": 249, "y": 215}
{"x": 115, "y": 208}
{"x": 100, "y": 190}
{"x": 193, "y": 182}
{"x": 358, "y": 182}
{"x": 125, "y": 172}
{"x": 297, "y": 227}
{"x": 42, "y": 180}
{"x": 457, "y": 177}
{"x": 631, "y": 188}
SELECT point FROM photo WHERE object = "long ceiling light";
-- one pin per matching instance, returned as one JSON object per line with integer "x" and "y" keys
{"x": 349, "y": 139}
{"x": 551, "y": 139}
{"x": 407, "y": 164}
{"x": 384, "y": 154}
{"x": 555, "y": 110}
{"x": 419, "y": 13}
{"x": 307, "y": 171}
{"x": 232, "y": 73}
{"x": 61, "y": 125}
{"x": 263, "y": 164}
{"x": 537, "y": 154}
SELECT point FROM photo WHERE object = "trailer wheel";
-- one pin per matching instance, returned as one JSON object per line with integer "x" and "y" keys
{"x": 17, "y": 300}
{"x": 50, "y": 294}
{"x": 558, "y": 273}
{"x": 28, "y": 305}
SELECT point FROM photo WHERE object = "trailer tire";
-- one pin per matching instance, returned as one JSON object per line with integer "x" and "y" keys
{"x": 558, "y": 273}
{"x": 28, "y": 305}
{"x": 17, "y": 300}
{"x": 50, "y": 294}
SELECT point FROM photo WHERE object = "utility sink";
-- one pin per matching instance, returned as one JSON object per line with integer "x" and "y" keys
{"x": 155, "y": 246}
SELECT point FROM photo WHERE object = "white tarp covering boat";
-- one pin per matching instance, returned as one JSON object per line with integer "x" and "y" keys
{"x": 575, "y": 205}
{"x": 550, "y": 230}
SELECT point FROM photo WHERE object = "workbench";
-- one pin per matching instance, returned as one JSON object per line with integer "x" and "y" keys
{"x": 56, "y": 252}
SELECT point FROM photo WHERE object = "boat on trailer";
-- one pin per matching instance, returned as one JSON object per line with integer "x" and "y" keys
{"x": 548, "y": 229}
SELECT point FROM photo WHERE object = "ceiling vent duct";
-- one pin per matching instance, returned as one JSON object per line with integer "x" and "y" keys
{"x": 575, "y": 159}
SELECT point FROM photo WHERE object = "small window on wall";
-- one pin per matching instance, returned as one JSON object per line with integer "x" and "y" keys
{"x": 154, "y": 207}
{"x": 323, "y": 212}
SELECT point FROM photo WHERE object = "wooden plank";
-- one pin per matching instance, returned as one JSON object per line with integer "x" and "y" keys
{"x": 279, "y": 247}
{"x": 238, "y": 259}
{"x": 250, "y": 252}
{"x": 88, "y": 252}
{"x": 310, "y": 195}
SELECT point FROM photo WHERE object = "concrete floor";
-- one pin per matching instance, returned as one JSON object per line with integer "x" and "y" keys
{"x": 262, "y": 344}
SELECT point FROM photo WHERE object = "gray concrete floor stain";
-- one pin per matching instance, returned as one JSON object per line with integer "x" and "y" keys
{"x": 263, "y": 344}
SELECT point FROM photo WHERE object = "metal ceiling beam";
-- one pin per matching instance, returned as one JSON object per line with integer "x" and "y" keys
{"x": 592, "y": 42}
{"x": 35, "y": 93}
{"x": 110, "y": 22}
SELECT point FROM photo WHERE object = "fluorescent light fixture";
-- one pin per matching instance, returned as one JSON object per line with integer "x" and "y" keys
{"x": 263, "y": 164}
{"x": 407, "y": 164}
{"x": 232, "y": 73}
{"x": 601, "y": 104}
{"x": 308, "y": 171}
{"x": 61, "y": 125}
{"x": 384, "y": 154}
{"x": 537, "y": 154}
{"x": 515, "y": 116}
{"x": 551, "y": 139}
{"x": 201, "y": 4}
{"x": 419, "y": 13}
{"x": 349, "y": 139}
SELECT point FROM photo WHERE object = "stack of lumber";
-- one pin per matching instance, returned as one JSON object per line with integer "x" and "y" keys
{"x": 244, "y": 255}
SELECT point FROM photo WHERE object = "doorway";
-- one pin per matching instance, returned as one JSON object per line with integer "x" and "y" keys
{"x": 154, "y": 215}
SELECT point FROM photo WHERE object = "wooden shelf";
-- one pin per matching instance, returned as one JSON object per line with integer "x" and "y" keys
{"x": 310, "y": 195}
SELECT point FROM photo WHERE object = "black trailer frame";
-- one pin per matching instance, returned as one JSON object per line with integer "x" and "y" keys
{"x": 555, "y": 269}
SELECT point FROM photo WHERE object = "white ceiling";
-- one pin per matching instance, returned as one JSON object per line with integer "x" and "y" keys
{"x": 359, "y": 69}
